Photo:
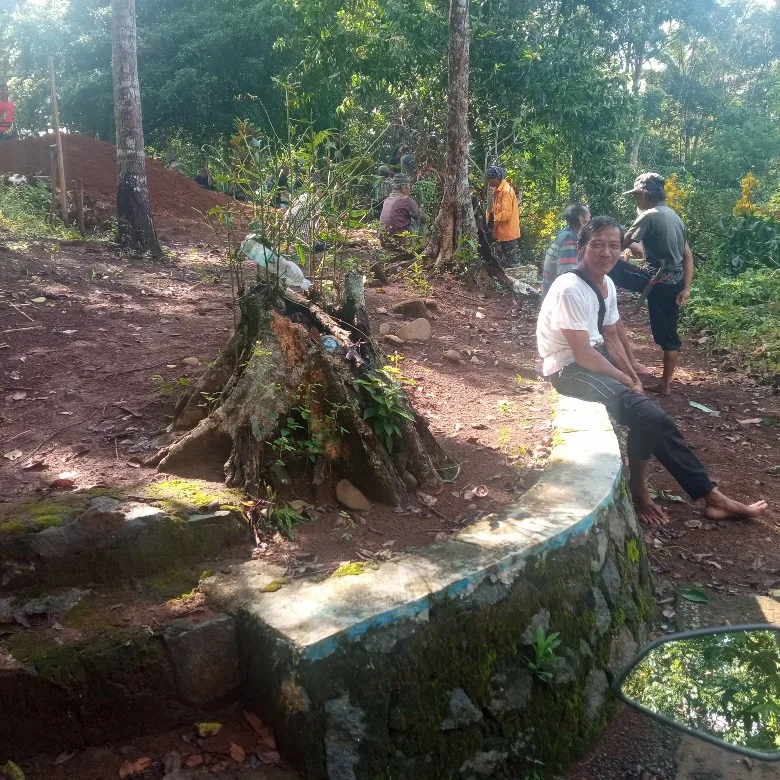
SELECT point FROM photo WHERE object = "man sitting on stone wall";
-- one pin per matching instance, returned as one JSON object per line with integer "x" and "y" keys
{"x": 577, "y": 336}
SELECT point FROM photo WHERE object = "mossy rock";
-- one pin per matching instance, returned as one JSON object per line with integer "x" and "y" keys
{"x": 184, "y": 496}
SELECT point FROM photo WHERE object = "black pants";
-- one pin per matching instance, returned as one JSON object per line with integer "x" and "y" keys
{"x": 651, "y": 431}
{"x": 661, "y": 303}
{"x": 510, "y": 251}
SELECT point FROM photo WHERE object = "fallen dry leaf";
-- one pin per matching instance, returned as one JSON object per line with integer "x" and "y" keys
{"x": 39, "y": 300}
{"x": 237, "y": 753}
{"x": 194, "y": 760}
{"x": 19, "y": 395}
{"x": 13, "y": 455}
{"x": 63, "y": 758}
{"x": 695, "y": 523}
{"x": 255, "y": 722}
{"x": 126, "y": 770}
{"x": 426, "y": 499}
{"x": 268, "y": 756}
{"x": 141, "y": 764}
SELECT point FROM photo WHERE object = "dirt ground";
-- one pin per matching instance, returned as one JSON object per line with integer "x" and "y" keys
{"x": 90, "y": 376}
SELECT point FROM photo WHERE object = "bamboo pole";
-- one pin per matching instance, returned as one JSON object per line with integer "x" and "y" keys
{"x": 58, "y": 138}
{"x": 78, "y": 188}
{"x": 53, "y": 181}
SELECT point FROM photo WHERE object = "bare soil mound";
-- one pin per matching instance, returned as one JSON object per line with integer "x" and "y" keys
{"x": 172, "y": 193}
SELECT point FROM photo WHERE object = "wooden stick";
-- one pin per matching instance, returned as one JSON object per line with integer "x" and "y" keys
{"x": 79, "y": 190}
{"x": 53, "y": 181}
{"x": 21, "y": 312}
{"x": 29, "y": 327}
{"x": 58, "y": 137}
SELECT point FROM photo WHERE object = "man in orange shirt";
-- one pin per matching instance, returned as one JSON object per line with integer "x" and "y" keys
{"x": 7, "y": 114}
{"x": 504, "y": 218}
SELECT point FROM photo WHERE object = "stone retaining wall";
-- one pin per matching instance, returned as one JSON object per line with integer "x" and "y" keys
{"x": 422, "y": 668}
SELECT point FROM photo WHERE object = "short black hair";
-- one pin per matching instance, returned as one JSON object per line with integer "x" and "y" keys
{"x": 597, "y": 225}
{"x": 658, "y": 196}
{"x": 573, "y": 213}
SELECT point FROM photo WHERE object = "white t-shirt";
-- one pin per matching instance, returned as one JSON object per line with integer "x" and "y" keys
{"x": 571, "y": 305}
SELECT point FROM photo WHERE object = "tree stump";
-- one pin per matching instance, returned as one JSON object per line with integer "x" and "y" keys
{"x": 277, "y": 395}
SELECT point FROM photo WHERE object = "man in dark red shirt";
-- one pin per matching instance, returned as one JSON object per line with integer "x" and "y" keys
{"x": 7, "y": 114}
{"x": 401, "y": 215}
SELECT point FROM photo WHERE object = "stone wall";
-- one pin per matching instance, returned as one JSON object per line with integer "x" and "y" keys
{"x": 423, "y": 668}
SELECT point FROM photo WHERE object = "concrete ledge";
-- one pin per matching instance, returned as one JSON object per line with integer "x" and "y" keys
{"x": 462, "y": 613}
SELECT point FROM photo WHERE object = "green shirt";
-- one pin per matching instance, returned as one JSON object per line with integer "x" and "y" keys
{"x": 662, "y": 234}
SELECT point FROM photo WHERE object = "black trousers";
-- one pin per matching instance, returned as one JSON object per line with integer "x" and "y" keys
{"x": 661, "y": 303}
{"x": 651, "y": 431}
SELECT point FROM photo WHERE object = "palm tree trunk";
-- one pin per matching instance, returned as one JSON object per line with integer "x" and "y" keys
{"x": 135, "y": 229}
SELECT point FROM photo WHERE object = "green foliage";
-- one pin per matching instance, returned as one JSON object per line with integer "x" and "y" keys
{"x": 284, "y": 519}
{"x": 544, "y": 659}
{"x": 25, "y": 210}
{"x": 747, "y": 242}
{"x": 386, "y": 403}
{"x": 739, "y": 313}
{"x": 169, "y": 387}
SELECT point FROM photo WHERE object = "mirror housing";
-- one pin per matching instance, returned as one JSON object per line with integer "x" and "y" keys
{"x": 721, "y": 685}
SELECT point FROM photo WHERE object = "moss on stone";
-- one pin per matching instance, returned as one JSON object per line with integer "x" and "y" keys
{"x": 48, "y": 521}
{"x": 350, "y": 569}
{"x": 174, "y": 582}
{"x": 275, "y": 585}
{"x": 55, "y": 663}
{"x": 619, "y": 617}
{"x": 632, "y": 551}
{"x": 13, "y": 526}
{"x": 183, "y": 496}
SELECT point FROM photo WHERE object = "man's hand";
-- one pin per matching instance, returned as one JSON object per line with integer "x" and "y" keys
{"x": 637, "y": 387}
{"x": 683, "y": 296}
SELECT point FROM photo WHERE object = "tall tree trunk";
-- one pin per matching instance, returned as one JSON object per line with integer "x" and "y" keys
{"x": 135, "y": 229}
{"x": 456, "y": 215}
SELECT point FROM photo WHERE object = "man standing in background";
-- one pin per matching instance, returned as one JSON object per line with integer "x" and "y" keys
{"x": 504, "y": 217}
{"x": 662, "y": 234}
{"x": 562, "y": 254}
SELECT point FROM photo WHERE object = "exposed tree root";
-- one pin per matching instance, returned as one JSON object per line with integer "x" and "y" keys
{"x": 276, "y": 369}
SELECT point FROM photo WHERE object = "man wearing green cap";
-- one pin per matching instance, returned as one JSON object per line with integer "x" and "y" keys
{"x": 662, "y": 234}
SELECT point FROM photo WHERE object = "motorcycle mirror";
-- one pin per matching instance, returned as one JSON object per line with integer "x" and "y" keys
{"x": 719, "y": 684}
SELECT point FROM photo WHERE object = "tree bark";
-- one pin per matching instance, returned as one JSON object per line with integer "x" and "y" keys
{"x": 274, "y": 367}
{"x": 135, "y": 229}
{"x": 455, "y": 220}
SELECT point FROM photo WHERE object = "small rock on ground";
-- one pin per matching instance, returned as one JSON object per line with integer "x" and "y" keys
{"x": 416, "y": 330}
{"x": 348, "y": 495}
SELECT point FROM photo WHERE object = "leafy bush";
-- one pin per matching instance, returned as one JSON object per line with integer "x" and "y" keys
{"x": 739, "y": 312}
{"x": 386, "y": 403}
{"x": 25, "y": 210}
{"x": 744, "y": 242}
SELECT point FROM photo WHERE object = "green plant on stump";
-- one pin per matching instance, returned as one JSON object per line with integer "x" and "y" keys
{"x": 543, "y": 662}
{"x": 386, "y": 403}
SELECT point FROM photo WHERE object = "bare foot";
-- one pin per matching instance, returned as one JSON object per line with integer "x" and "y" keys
{"x": 660, "y": 389}
{"x": 720, "y": 507}
{"x": 642, "y": 370}
{"x": 649, "y": 512}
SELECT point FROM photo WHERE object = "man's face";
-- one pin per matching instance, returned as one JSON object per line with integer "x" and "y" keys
{"x": 602, "y": 251}
{"x": 643, "y": 203}
{"x": 585, "y": 218}
{"x": 494, "y": 182}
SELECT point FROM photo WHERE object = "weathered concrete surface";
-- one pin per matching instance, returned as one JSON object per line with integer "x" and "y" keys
{"x": 422, "y": 668}
{"x": 111, "y": 542}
